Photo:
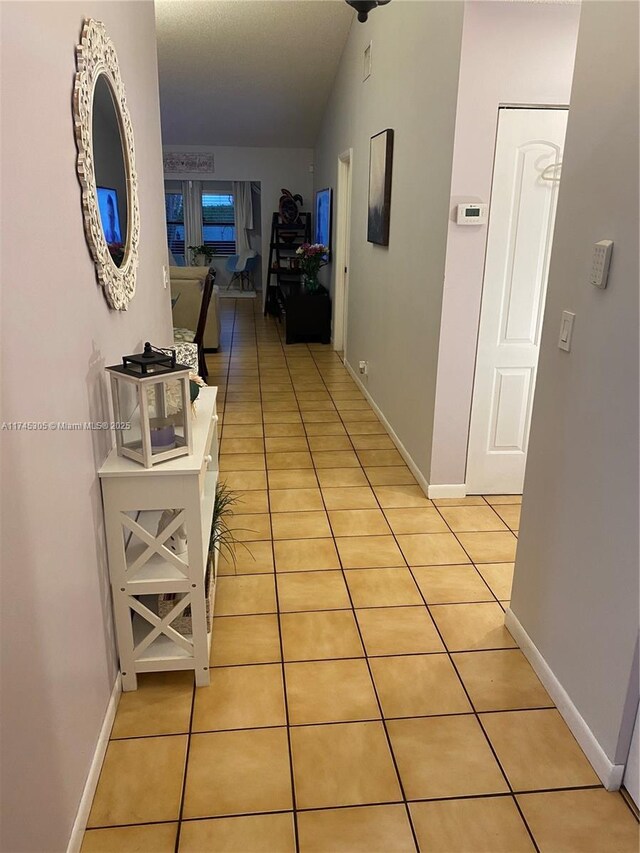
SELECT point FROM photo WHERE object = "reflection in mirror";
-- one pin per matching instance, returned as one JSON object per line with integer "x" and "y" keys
{"x": 110, "y": 170}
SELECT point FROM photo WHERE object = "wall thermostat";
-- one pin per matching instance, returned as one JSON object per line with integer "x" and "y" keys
{"x": 472, "y": 214}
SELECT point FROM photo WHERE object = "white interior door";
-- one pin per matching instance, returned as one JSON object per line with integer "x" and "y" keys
{"x": 341, "y": 254}
{"x": 522, "y": 214}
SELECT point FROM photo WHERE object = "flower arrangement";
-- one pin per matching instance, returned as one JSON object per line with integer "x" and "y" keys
{"x": 313, "y": 256}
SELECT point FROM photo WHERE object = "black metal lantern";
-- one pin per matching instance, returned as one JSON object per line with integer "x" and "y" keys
{"x": 363, "y": 7}
{"x": 151, "y": 406}
{"x": 152, "y": 360}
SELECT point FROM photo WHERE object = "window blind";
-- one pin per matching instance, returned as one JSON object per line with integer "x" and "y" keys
{"x": 218, "y": 222}
{"x": 174, "y": 208}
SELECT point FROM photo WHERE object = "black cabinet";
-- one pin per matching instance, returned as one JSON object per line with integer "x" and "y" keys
{"x": 306, "y": 315}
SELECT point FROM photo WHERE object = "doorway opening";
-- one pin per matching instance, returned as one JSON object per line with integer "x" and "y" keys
{"x": 341, "y": 257}
{"x": 524, "y": 194}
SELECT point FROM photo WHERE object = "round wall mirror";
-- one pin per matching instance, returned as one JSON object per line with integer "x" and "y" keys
{"x": 110, "y": 170}
{"x": 106, "y": 165}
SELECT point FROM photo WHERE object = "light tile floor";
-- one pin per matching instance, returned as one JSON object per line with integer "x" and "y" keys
{"x": 365, "y": 695}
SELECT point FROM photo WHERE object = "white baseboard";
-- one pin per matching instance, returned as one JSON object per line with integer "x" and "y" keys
{"x": 86, "y": 800}
{"x": 401, "y": 448}
{"x": 609, "y": 773}
{"x": 455, "y": 490}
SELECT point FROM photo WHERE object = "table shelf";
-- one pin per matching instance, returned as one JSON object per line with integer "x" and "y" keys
{"x": 135, "y": 497}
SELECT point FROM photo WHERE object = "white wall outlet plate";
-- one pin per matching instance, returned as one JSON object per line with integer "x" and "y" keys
{"x": 364, "y": 367}
{"x": 165, "y": 276}
{"x": 600, "y": 263}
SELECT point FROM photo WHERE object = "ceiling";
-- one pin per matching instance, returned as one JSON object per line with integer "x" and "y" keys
{"x": 247, "y": 72}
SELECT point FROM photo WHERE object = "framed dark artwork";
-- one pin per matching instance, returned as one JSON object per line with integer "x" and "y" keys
{"x": 323, "y": 217}
{"x": 380, "y": 162}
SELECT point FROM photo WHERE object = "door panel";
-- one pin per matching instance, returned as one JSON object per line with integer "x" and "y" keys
{"x": 510, "y": 406}
{"x": 525, "y": 260}
{"x": 522, "y": 215}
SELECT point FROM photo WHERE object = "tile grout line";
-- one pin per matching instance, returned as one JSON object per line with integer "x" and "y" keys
{"x": 334, "y": 722}
{"x": 503, "y": 795}
{"x": 283, "y": 671}
{"x": 186, "y": 765}
{"x": 351, "y": 657}
{"x": 312, "y": 572}
{"x": 477, "y": 715}
{"x": 445, "y": 646}
{"x": 469, "y": 699}
{"x": 368, "y": 664}
{"x": 193, "y": 697}
{"x": 388, "y": 740}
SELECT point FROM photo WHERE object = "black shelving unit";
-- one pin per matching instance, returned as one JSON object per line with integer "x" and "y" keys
{"x": 306, "y": 316}
{"x": 286, "y": 237}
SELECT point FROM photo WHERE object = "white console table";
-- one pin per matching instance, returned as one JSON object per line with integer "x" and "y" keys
{"x": 140, "y": 565}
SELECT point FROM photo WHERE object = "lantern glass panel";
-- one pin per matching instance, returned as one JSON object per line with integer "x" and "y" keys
{"x": 126, "y": 406}
{"x": 167, "y": 414}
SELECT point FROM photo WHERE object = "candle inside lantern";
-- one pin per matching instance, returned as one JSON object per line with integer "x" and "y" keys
{"x": 163, "y": 435}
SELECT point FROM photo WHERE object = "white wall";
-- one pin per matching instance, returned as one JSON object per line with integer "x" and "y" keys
{"x": 512, "y": 53}
{"x": 576, "y": 579}
{"x": 395, "y": 292}
{"x": 59, "y": 662}
{"x": 275, "y": 168}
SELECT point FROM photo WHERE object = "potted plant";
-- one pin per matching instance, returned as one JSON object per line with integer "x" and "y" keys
{"x": 312, "y": 256}
{"x": 221, "y": 539}
{"x": 201, "y": 256}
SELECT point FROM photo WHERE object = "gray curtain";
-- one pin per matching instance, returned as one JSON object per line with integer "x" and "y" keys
{"x": 244, "y": 215}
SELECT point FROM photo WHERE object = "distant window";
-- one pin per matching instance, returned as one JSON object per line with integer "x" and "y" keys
{"x": 218, "y": 222}
{"x": 174, "y": 207}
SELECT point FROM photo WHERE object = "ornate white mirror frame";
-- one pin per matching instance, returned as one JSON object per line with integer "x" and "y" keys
{"x": 96, "y": 56}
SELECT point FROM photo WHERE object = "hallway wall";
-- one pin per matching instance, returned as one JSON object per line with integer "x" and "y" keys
{"x": 395, "y": 292}
{"x": 58, "y": 333}
{"x": 512, "y": 53}
{"x": 576, "y": 578}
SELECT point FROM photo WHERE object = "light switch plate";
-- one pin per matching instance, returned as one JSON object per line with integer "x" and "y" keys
{"x": 566, "y": 330}
{"x": 600, "y": 263}
{"x": 165, "y": 276}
